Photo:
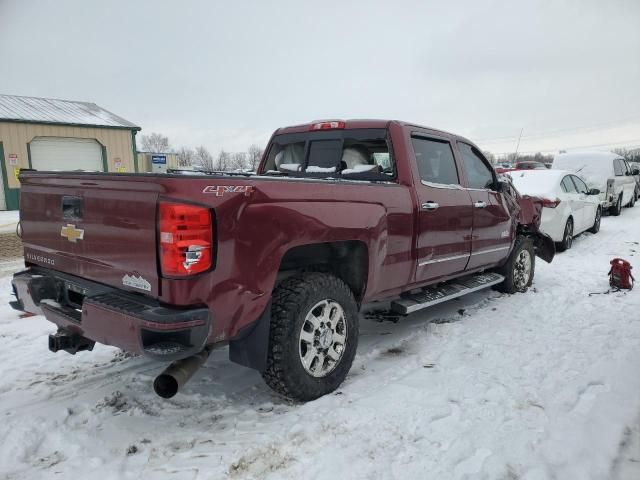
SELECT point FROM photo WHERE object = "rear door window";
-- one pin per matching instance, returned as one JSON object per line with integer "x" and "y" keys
{"x": 479, "y": 174}
{"x": 568, "y": 186}
{"x": 618, "y": 167}
{"x": 580, "y": 185}
{"x": 435, "y": 160}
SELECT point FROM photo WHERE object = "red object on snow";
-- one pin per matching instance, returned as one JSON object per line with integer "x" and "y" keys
{"x": 620, "y": 274}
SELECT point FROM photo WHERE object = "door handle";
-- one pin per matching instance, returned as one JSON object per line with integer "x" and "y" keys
{"x": 430, "y": 206}
{"x": 480, "y": 204}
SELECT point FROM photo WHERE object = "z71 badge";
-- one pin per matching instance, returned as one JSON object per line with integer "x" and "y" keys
{"x": 220, "y": 190}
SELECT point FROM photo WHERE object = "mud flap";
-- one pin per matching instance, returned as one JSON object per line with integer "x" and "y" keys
{"x": 544, "y": 246}
{"x": 251, "y": 347}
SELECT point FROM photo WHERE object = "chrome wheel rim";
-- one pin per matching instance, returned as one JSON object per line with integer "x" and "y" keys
{"x": 323, "y": 337}
{"x": 568, "y": 234}
{"x": 522, "y": 270}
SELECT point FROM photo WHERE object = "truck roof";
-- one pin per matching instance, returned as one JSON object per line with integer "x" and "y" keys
{"x": 364, "y": 123}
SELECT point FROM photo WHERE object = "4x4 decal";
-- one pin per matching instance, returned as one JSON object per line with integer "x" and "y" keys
{"x": 220, "y": 190}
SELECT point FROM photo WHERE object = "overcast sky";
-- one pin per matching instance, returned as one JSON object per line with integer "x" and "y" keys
{"x": 226, "y": 74}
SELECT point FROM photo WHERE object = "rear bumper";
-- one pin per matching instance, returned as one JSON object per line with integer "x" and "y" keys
{"x": 134, "y": 323}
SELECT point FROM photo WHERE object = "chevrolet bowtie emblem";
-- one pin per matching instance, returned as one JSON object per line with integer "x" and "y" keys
{"x": 71, "y": 233}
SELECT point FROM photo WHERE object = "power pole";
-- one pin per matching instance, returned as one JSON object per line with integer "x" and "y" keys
{"x": 515, "y": 157}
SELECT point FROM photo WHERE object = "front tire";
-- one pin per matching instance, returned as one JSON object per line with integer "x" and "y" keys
{"x": 313, "y": 336}
{"x": 520, "y": 267}
{"x": 567, "y": 238}
{"x": 616, "y": 209}
{"x": 596, "y": 223}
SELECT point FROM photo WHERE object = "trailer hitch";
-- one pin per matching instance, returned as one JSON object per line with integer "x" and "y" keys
{"x": 69, "y": 342}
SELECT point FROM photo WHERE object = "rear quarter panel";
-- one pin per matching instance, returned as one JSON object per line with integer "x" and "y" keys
{"x": 255, "y": 231}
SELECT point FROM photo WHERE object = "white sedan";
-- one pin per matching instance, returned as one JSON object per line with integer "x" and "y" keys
{"x": 570, "y": 207}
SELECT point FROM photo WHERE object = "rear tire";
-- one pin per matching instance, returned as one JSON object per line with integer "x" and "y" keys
{"x": 632, "y": 202}
{"x": 313, "y": 336}
{"x": 616, "y": 208}
{"x": 596, "y": 223}
{"x": 567, "y": 238}
{"x": 520, "y": 267}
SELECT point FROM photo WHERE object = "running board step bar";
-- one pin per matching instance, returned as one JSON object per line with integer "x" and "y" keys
{"x": 412, "y": 302}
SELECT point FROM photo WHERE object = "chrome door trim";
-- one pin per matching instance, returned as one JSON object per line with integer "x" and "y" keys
{"x": 444, "y": 186}
{"x": 445, "y": 259}
{"x": 492, "y": 250}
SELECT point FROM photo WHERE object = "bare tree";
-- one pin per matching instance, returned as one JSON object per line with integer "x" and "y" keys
{"x": 155, "y": 143}
{"x": 489, "y": 156}
{"x": 238, "y": 161}
{"x": 185, "y": 157}
{"x": 203, "y": 160}
{"x": 223, "y": 162}
{"x": 254, "y": 156}
{"x": 629, "y": 155}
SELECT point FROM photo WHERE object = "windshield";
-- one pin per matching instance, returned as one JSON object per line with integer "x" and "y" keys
{"x": 359, "y": 154}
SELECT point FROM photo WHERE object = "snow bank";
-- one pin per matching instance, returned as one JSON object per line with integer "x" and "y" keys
{"x": 9, "y": 220}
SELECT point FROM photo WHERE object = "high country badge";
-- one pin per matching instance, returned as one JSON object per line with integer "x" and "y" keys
{"x": 136, "y": 282}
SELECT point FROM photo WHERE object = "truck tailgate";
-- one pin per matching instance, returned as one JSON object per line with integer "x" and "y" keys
{"x": 101, "y": 228}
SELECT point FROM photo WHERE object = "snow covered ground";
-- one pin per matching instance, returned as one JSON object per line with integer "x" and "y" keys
{"x": 542, "y": 385}
{"x": 8, "y": 220}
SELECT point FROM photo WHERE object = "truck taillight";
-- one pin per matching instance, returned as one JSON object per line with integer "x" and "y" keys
{"x": 550, "y": 203}
{"x": 185, "y": 238}
{"x": 327, "y": 125}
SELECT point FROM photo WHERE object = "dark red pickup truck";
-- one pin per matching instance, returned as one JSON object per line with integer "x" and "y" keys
{"x": 277, "y": 263}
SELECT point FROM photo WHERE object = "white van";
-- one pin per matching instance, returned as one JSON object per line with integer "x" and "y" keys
{"x": 604, "y": 171}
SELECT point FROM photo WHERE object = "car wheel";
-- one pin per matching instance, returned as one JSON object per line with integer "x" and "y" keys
{"x": 616, "y": 208}
{"x": 632, "y": 202}
{"x": 313, "y": 336}
{"x": 567, "y": 238}
{"x": 519, "y": 269}
{"x": 596, "y": 223}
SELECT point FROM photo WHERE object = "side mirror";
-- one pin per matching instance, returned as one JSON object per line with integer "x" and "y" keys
{"x": 502, "y": 186}
{"x": 593, "y": 191}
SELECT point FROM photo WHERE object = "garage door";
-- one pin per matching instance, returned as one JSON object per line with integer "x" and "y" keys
{"x": 54, "y": 153}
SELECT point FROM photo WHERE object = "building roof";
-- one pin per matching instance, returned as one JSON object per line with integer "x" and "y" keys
{"x": 66, "y": 112}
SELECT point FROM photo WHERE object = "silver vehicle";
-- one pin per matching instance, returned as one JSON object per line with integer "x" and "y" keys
{"x": 634, "y": 167}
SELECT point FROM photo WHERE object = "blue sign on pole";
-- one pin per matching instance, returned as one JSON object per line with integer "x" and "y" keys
{"x": 159, "y": 159}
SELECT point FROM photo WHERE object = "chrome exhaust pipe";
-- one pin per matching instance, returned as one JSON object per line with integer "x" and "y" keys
{"x": 169, "y": 382}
